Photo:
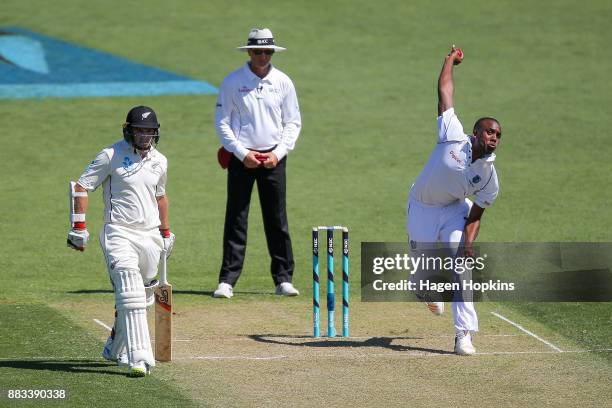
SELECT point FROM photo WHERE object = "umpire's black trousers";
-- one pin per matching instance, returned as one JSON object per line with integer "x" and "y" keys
{"x": 271, "y": 186}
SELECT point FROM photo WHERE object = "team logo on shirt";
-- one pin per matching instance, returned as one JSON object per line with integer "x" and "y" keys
{"x": 244, "y": 89}
{"x": 454, "y": 156}
{"x": 127, "y": 162}
{"x": 476, "y": 179}
{"x": 156, "y": 168}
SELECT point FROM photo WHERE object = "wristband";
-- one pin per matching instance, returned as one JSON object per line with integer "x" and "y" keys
{"x": 79, "y": 225}
{"x": 165, "y": 232}
{"x": 80, "y": 217}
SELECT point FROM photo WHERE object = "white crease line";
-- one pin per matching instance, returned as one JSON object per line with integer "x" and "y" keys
{"x": 297, "y": 340}
{"x": 399, "y": 354}
{"x": 231, "y": 358}
{"x": 518, "y": 326}
{"x": 101, "y": 323}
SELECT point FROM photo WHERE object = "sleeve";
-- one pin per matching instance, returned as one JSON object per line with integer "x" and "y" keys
{"x": 449, "y": 127}
{"x": 160, "y": 189}
{"x": 487, "y": 195}
{"x": 97, "y": 171}
{"x": 223, "y": 118}
{"x": 292, "y": 122}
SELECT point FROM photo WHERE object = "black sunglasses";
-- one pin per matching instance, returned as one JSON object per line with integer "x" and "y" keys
{"x": 259, "y": 51}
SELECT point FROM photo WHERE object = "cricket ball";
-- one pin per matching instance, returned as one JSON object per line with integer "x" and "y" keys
{"x": 460, "y": 55}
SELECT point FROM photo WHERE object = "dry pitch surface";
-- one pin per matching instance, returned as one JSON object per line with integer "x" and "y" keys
{"x": 246, "y": 352}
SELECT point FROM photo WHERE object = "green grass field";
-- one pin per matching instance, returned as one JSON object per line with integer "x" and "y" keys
{"x": 365, "y": 73}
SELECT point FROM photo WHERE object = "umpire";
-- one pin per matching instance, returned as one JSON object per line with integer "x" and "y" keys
{"x": 258, "y": 122}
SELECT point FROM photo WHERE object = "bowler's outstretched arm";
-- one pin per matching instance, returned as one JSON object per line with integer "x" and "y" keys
{"x": 446, "y": 86}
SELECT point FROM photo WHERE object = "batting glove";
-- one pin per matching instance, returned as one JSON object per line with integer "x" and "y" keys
{"x": 169, "y": 239}
{"x": 78, "y": 237}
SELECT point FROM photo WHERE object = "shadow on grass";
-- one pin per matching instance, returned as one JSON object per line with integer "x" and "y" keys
{"x": 210, "y": 292}
{"x": 89, "y": 291}
{"x": 382, "y": 342}
{"x": 69, "y": 366}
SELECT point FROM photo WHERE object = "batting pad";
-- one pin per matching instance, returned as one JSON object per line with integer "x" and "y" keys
{"x": 118, "y": 345}
{"x": 131, "y": 330}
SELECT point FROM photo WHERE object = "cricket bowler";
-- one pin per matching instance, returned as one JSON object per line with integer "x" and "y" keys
{"x": 439, "y": 209}
{"x": 133, "y": 174}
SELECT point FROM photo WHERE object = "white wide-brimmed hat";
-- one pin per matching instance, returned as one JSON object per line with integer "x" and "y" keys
{"x": 261, "y": 38}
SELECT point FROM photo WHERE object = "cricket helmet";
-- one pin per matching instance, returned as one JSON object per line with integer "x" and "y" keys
{"x": 140, "y": 117}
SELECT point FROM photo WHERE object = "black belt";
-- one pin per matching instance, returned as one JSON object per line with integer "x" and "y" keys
{"x": 264, "y": 151}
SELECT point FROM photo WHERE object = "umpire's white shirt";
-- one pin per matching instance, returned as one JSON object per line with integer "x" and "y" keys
{"x": 257, "y": 113}
{"x": 131, "y": 184}
{"x": 450, "y": 175}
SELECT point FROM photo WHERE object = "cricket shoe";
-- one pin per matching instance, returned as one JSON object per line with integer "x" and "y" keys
{"x": 121, "y": 359}
{"x": 436, "y": 308}
{"x": 463, "y": 343}
{"x": 139, "y": 369}
{"x": 286, "y": 289}
{"x": 224, "y": 290}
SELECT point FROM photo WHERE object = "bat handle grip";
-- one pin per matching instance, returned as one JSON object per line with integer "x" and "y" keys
{"x": 163, "y": 277}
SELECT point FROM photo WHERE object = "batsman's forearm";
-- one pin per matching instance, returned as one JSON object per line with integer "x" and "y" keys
{"x": 446, "y": 86}
{"x": 80, "y": 203}
{"x": 162, "y": 206}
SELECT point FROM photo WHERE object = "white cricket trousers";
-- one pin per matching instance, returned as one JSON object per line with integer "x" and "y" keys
{"x": 428, "y": 224}
{"x": 129, "y": 248}
{"x": 132, "y": 257}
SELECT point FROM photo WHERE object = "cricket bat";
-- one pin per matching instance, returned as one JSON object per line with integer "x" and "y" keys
{"x": 163, "y": 314}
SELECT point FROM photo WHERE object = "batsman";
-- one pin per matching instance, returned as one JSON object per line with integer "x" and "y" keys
{"x": 439, "y": 209}
{"x": 136, "y": 231}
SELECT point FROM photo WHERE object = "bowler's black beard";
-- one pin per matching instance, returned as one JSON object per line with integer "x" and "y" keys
{"x": 480, "y": 148}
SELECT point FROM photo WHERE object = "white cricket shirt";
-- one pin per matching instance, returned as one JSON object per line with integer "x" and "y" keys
{"x": 450, "y": 175}
{"x": 257, "y": 113}
{"x": 130, "y": 183}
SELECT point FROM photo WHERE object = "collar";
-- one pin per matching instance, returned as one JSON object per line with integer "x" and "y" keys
{"x": 489, "y": 158}
{"x": 485, "y": 161}
{"x": 252, "y": 77}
